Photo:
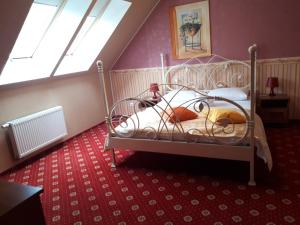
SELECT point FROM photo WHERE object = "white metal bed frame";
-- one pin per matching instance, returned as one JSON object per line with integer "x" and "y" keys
{"x": 219, "y": 150}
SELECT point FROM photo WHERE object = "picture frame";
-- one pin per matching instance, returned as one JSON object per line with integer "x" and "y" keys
{"x": 190, "y": 30}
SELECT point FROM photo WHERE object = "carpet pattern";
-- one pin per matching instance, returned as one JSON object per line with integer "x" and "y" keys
{"x": 80, "y": 187}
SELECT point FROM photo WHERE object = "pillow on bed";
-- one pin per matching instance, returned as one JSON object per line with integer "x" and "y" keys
{"x": 217, "y": 115}
{"x": 178, "y": 114}
{"x": 234, "y": 94}
{"x": 180, "y": 95}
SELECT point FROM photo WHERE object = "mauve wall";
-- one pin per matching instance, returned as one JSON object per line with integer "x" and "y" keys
{"x": 235, "y": 24}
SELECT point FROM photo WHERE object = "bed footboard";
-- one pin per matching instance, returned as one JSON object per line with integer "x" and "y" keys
{"x": 163, "y": 121}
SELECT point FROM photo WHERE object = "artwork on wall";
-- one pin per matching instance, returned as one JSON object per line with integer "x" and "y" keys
{"x": 190, "y": 30}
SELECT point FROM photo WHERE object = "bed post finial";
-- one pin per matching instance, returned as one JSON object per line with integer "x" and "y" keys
{"x": 252, "y": 48}
{"x": 99, "y": 64}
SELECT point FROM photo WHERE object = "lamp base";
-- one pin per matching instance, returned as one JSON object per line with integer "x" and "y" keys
{"x": 272, "y": 92}
{"x": 154, "y": 95}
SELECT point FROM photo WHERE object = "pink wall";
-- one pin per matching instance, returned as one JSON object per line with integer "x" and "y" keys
{"x": 273, "y": 24}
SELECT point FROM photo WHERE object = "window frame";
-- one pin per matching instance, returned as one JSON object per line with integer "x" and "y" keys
{"x": 59, "y": 7}
{"x": 90, "y": 8}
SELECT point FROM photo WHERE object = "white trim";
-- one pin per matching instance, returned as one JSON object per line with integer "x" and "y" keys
{"x": 276, "y": 60}
{"x": 283, "y": 59}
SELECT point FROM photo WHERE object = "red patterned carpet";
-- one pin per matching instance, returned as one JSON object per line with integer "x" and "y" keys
{"x": 146, "y": 188}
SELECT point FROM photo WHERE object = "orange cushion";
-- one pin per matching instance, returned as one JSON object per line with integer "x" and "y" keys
{"x": 178, "y": 114}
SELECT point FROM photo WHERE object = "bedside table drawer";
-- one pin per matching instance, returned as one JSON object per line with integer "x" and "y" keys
{"x": 275, "y": 117}
{"x": 273, "y": 109}
{"x": 282, "y": 103}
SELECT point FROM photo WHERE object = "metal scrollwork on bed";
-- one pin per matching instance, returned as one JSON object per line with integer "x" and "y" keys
{"x": 166, "y": 130}
{"x": 215, "y": 73}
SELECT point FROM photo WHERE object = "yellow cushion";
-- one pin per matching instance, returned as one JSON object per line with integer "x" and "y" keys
{"x": 217, "y": 115}
{"x": 178, "y": 114}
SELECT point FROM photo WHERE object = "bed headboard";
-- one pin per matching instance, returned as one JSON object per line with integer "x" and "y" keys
{"x": 217, "y": 72}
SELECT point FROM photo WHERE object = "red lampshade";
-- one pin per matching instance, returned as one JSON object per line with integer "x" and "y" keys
{"x": 272, "y": 83}
{"x": 154, "y": 88}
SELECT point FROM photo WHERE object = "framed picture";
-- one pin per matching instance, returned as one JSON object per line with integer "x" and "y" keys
{"x": 190, "y": 30}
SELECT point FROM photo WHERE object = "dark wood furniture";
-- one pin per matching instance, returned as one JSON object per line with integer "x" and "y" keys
{"x": 148, "y": 102}
{"x": 273, "y": 109}
{"x": 20, "y": 204}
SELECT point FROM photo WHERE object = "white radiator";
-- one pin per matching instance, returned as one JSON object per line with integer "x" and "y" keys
{"x": 33, "y": 132}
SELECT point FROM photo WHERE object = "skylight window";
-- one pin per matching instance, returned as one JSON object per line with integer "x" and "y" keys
{"x": 35, "y": 26}
{"x": 61, "y": 36}
{"x": 93, "y": 35}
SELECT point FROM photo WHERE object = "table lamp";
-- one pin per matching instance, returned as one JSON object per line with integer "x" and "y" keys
{"x": 272, "y": 83}
{"x": 154, "y": 88}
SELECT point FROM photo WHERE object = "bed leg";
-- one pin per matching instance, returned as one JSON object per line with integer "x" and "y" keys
{"x": 114, "y": 161}
{"x": 105, "y": 145}
{"x": 252, "y": 180}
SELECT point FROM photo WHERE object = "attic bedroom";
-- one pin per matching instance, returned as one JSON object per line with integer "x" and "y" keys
{"x": 149, "y": 112}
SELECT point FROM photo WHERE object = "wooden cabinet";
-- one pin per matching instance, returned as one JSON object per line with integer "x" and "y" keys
{"x": 20, "y": 204}
{"x": 273, "y": 109}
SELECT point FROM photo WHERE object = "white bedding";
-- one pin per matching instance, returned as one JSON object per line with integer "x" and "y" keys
{"x": 150, "y": 118}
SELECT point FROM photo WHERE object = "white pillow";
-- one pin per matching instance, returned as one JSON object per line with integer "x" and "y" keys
{"x": 234, "y": 94}
{"x": 180, "y": 95}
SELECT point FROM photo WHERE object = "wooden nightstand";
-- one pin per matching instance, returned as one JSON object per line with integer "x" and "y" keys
{"x": 273, "y": 109}
{"x": 20, "y": 204}
{"x": 148, "y": 102}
